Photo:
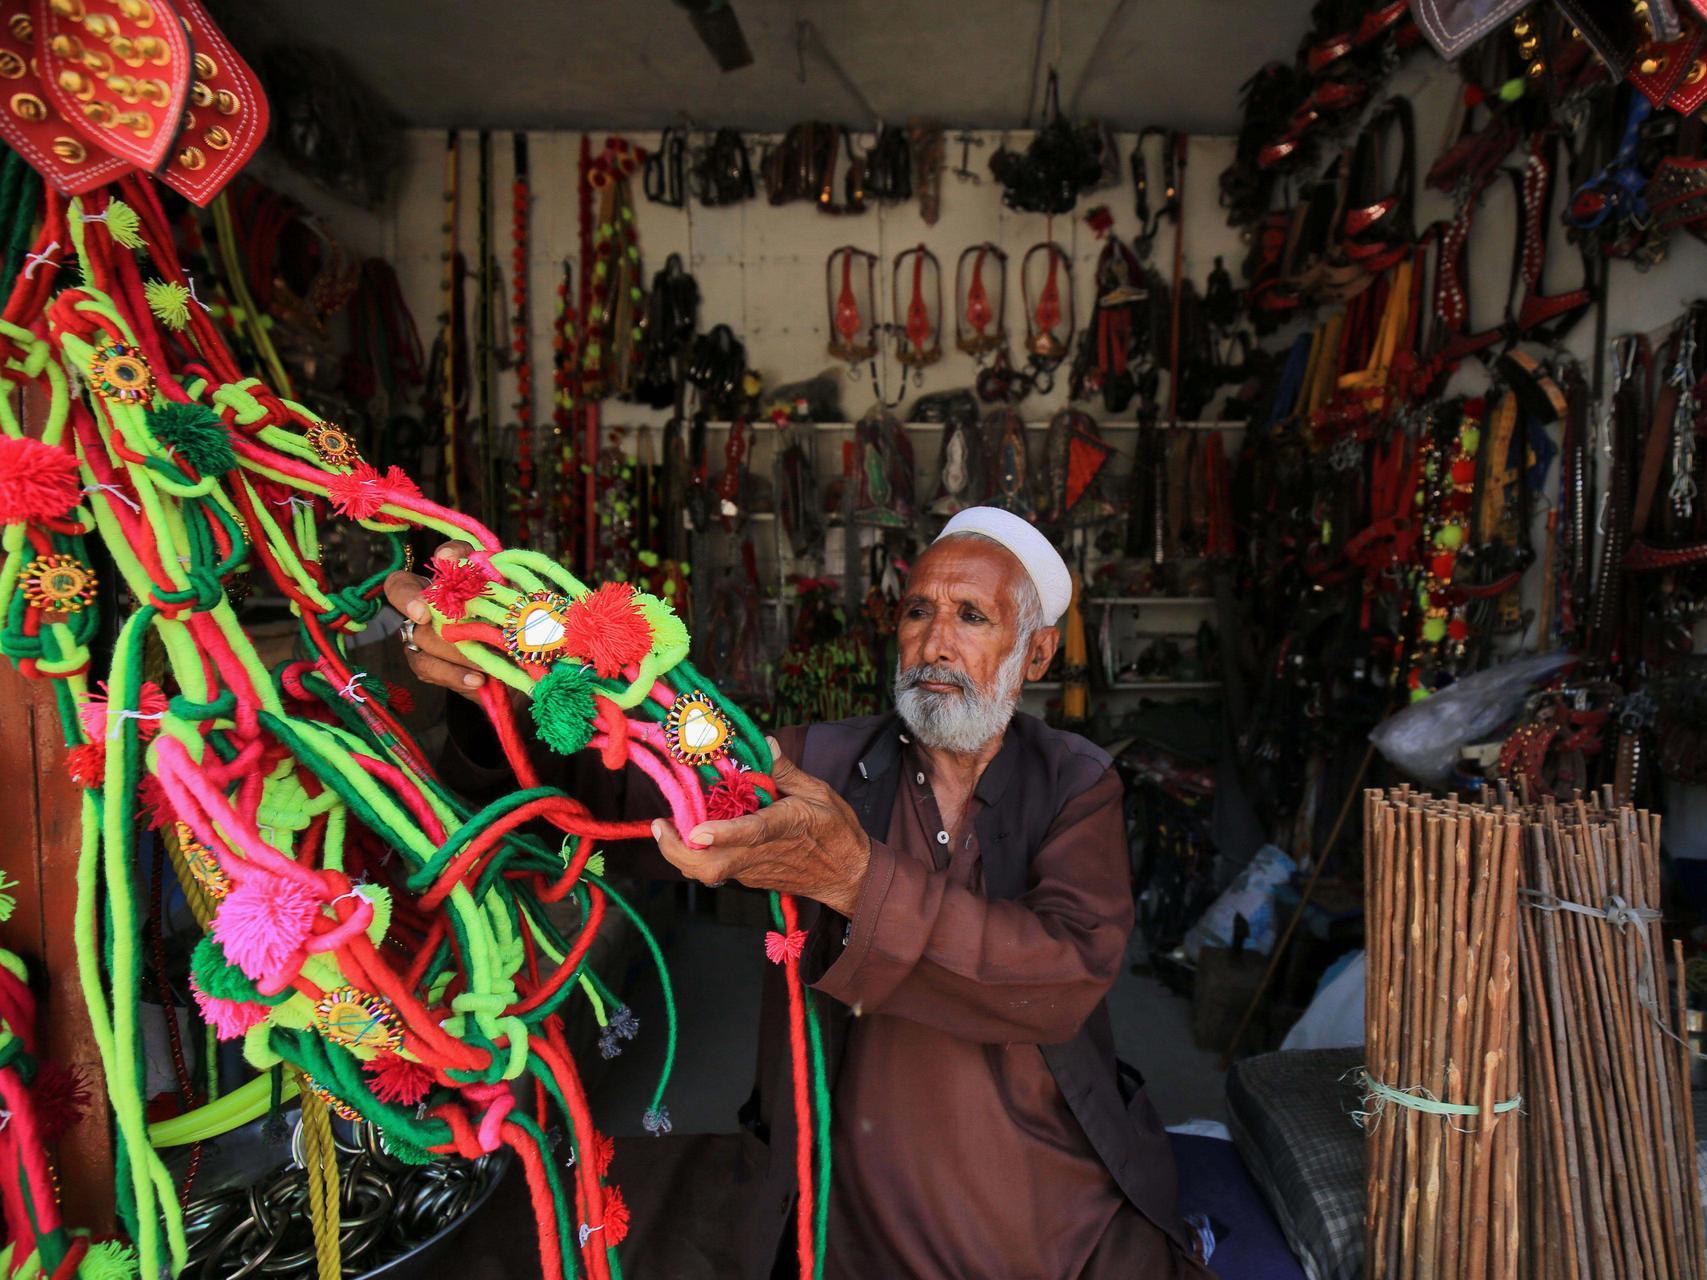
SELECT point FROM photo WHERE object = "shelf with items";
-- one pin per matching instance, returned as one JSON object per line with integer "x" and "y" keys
{"x": 1183, "y": 601}
{"x": 1133, "y": 686}
{"x": 1112, "y": 424}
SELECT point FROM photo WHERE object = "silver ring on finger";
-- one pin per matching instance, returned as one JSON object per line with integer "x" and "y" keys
{"x": 406, "y": 633}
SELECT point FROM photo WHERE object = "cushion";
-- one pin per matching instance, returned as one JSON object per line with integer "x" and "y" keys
{"x": 1290, "y": 1117}
{"x": 1214, "y": 1185}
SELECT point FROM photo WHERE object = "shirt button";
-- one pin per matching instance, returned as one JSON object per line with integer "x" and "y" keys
{"x": 942, "y": 837}
{"x": 919, "y": 778}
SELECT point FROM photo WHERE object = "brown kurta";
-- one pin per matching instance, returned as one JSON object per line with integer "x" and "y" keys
{"x": 955, "y": 1153}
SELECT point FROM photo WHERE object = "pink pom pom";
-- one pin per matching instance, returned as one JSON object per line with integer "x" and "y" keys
{"x": 228, "y": 1018}
{"x": 395, "y": 1078}
{"x": 263, "y": 922}
{"x": 151, "y": 706}
{"x": 607, "y": 629}
{"x": 733, "y": 797}
{"x": 37, "y": 481}
{"x": 779, "y": 949}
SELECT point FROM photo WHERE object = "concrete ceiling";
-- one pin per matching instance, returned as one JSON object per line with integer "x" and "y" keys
{"x": 638, "y": 64}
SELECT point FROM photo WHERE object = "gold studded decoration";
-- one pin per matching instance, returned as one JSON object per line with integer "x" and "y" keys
{"x": 349, "y": 1015}
{"x": 203, "y": 865}
{"x": 332, "y": 444}
{"x": 696, "y": 730}
{"x": 58, "y": 584}
{"x": 26, "y": 106}
{"x": 120, "y": 372}
{"x": 340, "y": 1108}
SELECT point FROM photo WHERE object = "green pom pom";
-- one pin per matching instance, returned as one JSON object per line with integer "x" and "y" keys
{"x": 563, "y": 708}
{"x": 170, "y": 303}
{"x": 596, "y": 865}
{"x": 669, "y": 632}
{"x": 124, "y": 226}
{"x": 196, "y": 434}
{"x": 404, "y": 1151}
{"x": 218, "y": 977}
{"x": 109, "y": 1260}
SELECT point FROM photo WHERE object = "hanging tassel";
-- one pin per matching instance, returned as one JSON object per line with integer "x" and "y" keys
{"x": 123, "y": 225}
{"x": 170, "y": 303}
{"x": 8, "y": 903}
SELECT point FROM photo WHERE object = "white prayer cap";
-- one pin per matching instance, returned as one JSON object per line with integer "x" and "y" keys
{"x": 1034, "y": 552}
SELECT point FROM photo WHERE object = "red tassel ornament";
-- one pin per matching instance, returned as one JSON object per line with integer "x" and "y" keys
{"x": 38, "y": 483}
{"x": 606, "y": 629}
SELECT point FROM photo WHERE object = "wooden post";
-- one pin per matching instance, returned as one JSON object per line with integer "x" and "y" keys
{"x": 39, "y": 841}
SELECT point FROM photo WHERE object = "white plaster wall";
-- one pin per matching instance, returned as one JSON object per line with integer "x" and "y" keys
{"x": 760, "y": 267}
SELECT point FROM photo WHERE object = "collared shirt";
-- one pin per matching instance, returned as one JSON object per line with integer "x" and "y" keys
{"x": 955, "y": 1154}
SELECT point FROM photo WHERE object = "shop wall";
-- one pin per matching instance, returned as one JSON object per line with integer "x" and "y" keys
{"x": 760, "y": 267}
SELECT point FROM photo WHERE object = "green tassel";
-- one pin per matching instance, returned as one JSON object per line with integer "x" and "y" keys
{"x": 563, "y": 708}
{"x": 8, "y": 903}
{"x": 596, "y": 865}
{"x": 109, "y": 1260}
{"x": 669, "y": 632}
{"x": 195, "y": 433}
{"x": 170, "y": 303}
{"x": 124, "y": 226}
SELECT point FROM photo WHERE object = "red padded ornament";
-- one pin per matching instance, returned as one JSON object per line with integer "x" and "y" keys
{"x": 33, "y": 126}
{"x": 119, "y": 72}
{"x": 227, "y": 116}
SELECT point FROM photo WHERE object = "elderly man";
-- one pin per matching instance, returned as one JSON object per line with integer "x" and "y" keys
{"x": 971, "y": 873}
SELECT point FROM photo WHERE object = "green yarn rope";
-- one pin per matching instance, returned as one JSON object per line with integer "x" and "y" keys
{"x": 304, "y": 807}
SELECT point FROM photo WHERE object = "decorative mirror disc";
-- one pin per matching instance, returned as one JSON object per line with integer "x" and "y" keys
{"x": 536, "y": 626}
{"x": 696, "y": 730}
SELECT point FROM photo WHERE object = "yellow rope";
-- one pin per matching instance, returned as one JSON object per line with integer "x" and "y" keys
{"x": 320, "y": 1154}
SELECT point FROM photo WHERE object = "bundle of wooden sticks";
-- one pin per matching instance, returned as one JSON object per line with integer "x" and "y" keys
{"x": 1610, "y": 1130}
{"x": 1441, "y": 1006}
{"x": 1527, "y": 1085}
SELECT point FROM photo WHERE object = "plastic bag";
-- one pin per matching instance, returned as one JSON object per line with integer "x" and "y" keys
{"x": 1250, "y": 896}
{"x": 1424, "y": 739}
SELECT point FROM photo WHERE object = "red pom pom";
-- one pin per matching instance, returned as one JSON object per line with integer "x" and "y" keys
{"x": 604, "y": 1151}
{"x": 61, "y": 1098}
{"x": 359, "y": 494}
{"x": 733, "y": 797}
{"x": 151, "y": 705}
{"x": 782, "y": 948}
{"x": 454, "y": 584}
{"x": 399, "y": 699}
{"x": 1458, "y": 629}
{"x": 607, "y": 629}
{"x": 152, "y": 806}
{"x": 616, "y": 1215}
{"x": 87, "y": 764}
{"x": 37, "y": 481}
{"x": 1473, "y": 95}
{"x": 397, "y": 1079}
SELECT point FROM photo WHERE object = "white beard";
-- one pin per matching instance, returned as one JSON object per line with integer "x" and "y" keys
{"x": 961, "y": 722}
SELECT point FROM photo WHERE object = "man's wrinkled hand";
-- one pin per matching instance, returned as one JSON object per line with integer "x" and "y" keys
{"x": 808, "y": 843}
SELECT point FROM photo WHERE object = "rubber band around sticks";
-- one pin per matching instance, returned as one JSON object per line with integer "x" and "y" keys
{"x": 1620, "y": 914}
{"x": 1376, "y": 1096}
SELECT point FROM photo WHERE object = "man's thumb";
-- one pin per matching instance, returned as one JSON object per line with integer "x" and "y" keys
{"x": 784, "y": 771}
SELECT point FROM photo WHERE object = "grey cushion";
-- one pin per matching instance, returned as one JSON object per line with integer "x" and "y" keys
{"x": 1290, "y": 1115}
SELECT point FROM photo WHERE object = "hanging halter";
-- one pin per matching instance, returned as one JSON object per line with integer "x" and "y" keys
{"x": 850, "y": 302}
{"x": 980, "y": 326}
{"x": 918, "y": 340}
{"x": 1049, "y": 315}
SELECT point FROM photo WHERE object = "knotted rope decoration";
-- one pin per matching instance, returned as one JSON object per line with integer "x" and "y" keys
{"x": 369, "y": 929}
